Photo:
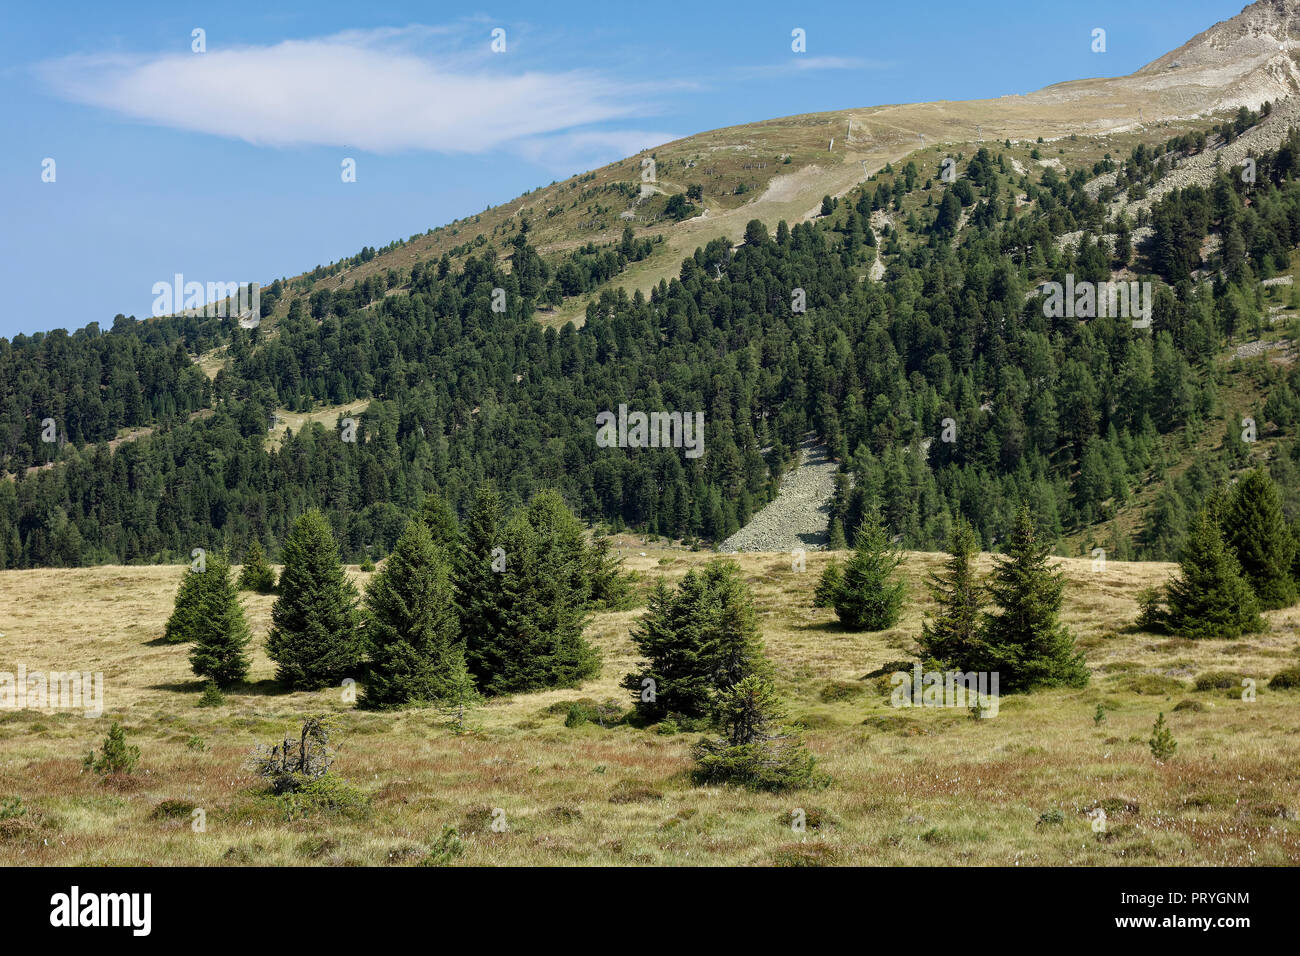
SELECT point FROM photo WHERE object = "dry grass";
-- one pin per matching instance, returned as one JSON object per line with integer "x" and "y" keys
{"x": 910, "y": 786}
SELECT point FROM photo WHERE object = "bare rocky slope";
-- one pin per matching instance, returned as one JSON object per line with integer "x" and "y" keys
{"x": 798, "y": 516}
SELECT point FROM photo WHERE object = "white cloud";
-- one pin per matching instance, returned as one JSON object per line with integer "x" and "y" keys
{"x": 364, "y": 90}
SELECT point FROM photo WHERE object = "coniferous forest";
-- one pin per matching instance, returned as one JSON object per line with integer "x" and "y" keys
{"x": 1068, "y": 417}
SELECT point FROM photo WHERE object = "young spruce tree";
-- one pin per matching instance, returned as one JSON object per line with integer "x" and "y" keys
{"x": 1210, "y": 598}
{"x": 186, "y": 618}
{"x": 533, "y": 638}
{"x": 220, "y": 651}
{"x": 256, "y": 574}
{"x": 412, "y": 628}
{"x": 870, "y": 595}
{"x": 1256, "y": 531}
{"x": 697, "y": 638}
{"x": 478, "y": 586}
{"x": 952, "y": 636}
{"x": 315, "y": 636}
{"x": 1026, "y": 643}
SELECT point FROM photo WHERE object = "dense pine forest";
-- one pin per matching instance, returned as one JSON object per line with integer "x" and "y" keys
{"x": 1068, "y": 416}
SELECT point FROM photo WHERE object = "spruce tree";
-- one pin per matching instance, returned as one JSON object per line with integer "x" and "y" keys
{"x": 256, "y": 574}
{"x": 835, "y": 540}
{"x": 315, "y": 636}
{"x": 444, "y": 528}
{"x": 754, "y": 751}
{"x": 1210, "y": 597}
{"x": 696, "y": 639}
{"x": 828, "y": 585}
{"x": 220, "y": 651}
{"x": 1026, "y": 643}
{"x": 534, "y": 635}
{"x": 412, "y": 627}
{"x": 186, "y": 620}
{"x": 952, "y": 637}
{"x": 870, "y": 595}
{"x": 479, "y": 587}
{"x": 1256, "y": 531}
{"x": 611, "y": 586}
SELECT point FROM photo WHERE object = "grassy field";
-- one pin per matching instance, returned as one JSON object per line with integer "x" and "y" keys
{"x": 910, "y": 786}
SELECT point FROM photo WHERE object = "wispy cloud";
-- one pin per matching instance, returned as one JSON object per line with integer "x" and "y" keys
{"x": 802, "y": 63}
{"x": 366, "y": 90}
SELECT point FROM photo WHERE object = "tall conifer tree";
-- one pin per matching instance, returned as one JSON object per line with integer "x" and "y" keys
{"x": 315, "y": 624}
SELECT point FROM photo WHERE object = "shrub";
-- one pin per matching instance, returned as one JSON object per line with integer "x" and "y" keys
{"x": 171, "y": 809}
{"x": 1288, "y": 679}
{"x": 588, "y": 711}
{"x": 752, "y": 753}
{"x": 325, "y": 794}
{"x": 1217, "y": 680}
{"x": 290, "y": 765}
{"x": 446, "y": 848}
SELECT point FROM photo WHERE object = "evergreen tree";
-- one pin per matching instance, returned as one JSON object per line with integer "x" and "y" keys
{"x": 1210, "y": 598}
{"x": 315, "y": 623}
{"x": 828, "y": 585}
{"x": 696, "y": 639}
{"x": 186, "y": 620}
{"x": 441, "y": 520}
{"x": 953, "y": 637}
{"x": 534, "y": 638}
{"x": 256, "y": 574}
{"x": 478, "y": 585}
{"x": 753, "y": 751}
{"x": 611, "y": 586}
{"x": 1026, "y": 644}
{"x": 412, "y": 628}
{"x": 1256, "y": 531}
{"x": 835, "y": 540}
{"x": 870, "y": 594}
{"x": 220, "y": 651}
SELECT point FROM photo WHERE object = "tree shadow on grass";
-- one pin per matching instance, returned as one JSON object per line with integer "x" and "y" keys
{"x": 268, "y": 687}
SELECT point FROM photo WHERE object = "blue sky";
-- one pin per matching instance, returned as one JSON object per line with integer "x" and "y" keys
{"x": 225, "y": 165}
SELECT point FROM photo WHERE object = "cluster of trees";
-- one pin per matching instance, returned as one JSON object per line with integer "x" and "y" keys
{"x": 1023, "y": 640}
{"x": 497, "y": 607}
{"x": 1241, "y": 556}
{"x": 704, "y": 667}
{"x": 942, "y": 390}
